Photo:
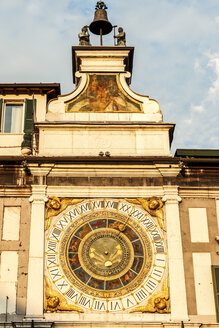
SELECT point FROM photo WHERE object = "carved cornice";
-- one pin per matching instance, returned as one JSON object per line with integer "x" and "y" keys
{"x": 105, "y": 170}
{"x": 15, "y": 191}
{"x": 199, "y": 192}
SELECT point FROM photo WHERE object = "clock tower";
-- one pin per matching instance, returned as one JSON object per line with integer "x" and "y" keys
{"x": 107, "y": 254}
{"x": 100, "y": 224}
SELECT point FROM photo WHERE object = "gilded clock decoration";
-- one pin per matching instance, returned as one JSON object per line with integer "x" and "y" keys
{"x": 153, "y": 205}
{"x": 158, "y": 303}
{"x": 54, "y": 301}
{"x": 105, "y": 255}
{"x": 56, "y": 205}
{"x": 85, "y": 263}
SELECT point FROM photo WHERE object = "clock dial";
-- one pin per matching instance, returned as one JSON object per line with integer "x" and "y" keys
{"x": 113, "y": 255}
{"x": 106, "y": 254}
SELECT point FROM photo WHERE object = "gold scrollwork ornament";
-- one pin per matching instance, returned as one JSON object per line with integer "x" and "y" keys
{"x": 56, "y": 205}
{"x": 55, "y": 301}
{"x": 153, "y": 205}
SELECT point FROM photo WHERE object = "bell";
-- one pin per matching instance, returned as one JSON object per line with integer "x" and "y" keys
{"x": 100, "y": 22}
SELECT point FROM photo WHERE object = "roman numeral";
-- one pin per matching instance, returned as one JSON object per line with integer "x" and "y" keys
{"x": 137, "y": 214}
{"x": 148, "y": 224}
{"x": 159, "y": 246}
{"x": 56, "y": 233}
{"x": 114, "y": 306}
{"x": 51, "y": 259}
{"x": 160, "y": 260}
{"x": 62, "y": 285}
{"x": 51, "y": 246}
{"x": 125, "y": 208}
{"x": 141, "y": 295}
{"x": 84, "y": 301}
{"x": 129, "y": 303}
{"x": 151, "y": 285}
{"x": 62, "y": 223}
{"x": 155, "y": 234}
{"x": 72, "y": 294}
{"x": 100, "y": 306}
{"x": 157, "y": 273}
{"x": 85, "y": 207}
{"x": 111, "y": 204}
{"x": 97, "y": 204}
{"x": 72, "y": 214}
{"x": 55, "y": 273}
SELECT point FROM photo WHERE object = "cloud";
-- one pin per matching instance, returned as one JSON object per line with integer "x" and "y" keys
{"x": 198, "y": 108}
{"x": 214, "y": 89}
{"x": 176, "y": 57}
{"x": 200, "y": 128}
{"x": 33, "y": 7}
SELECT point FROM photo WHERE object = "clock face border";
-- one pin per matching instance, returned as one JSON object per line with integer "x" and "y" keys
{"x": 149, "y": 281}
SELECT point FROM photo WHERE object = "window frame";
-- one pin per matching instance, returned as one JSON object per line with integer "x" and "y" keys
{"x": 216, "y": 293}
{"x": 12, "y": 102}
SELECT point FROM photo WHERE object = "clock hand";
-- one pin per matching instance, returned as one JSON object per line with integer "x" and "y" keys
{"x": 112, "y": 255}
{"x": 116, "y": 254}
{"x": 94, "y": 254}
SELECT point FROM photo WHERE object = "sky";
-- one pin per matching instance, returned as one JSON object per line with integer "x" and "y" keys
{"x": 176, "y": 58}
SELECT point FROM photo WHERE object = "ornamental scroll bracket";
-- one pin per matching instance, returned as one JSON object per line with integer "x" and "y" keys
{"x": 153, "y": 205}
{"x": 56, "y": 302}
{"x": 56, "y": 205}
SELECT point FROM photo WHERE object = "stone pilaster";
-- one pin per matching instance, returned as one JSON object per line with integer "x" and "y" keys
{"x": 176, "y": 266}
{"x": 217, "y": 209}
{"x": 36, "y": 252}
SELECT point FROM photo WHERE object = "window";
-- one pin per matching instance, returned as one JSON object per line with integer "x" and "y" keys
{"x": 13, "y": 118}
{"x": 16, "y": 116}
{"x": 215, "y": 273}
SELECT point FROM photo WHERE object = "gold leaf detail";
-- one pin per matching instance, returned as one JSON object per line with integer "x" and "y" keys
{"x": 54, "y": 301}
{"x": 158, "y": 303}
{"x": 153, "y": 205}
{"x": 56, "y": 205}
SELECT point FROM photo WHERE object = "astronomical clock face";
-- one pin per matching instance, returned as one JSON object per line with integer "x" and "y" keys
{"x": 104, "y": 255}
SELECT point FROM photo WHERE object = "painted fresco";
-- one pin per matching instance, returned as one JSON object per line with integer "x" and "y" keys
{"x": 103, "y": 94}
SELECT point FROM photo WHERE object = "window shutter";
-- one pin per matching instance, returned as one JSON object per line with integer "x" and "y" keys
{"x": 1, "y": 102}
{"x": 215, "y": 273}
{"x": 28, "y": 123}
{"x": 28, "y": 119}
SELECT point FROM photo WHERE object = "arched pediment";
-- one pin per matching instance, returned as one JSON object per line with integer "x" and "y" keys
{"x": 104, "y": 94}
